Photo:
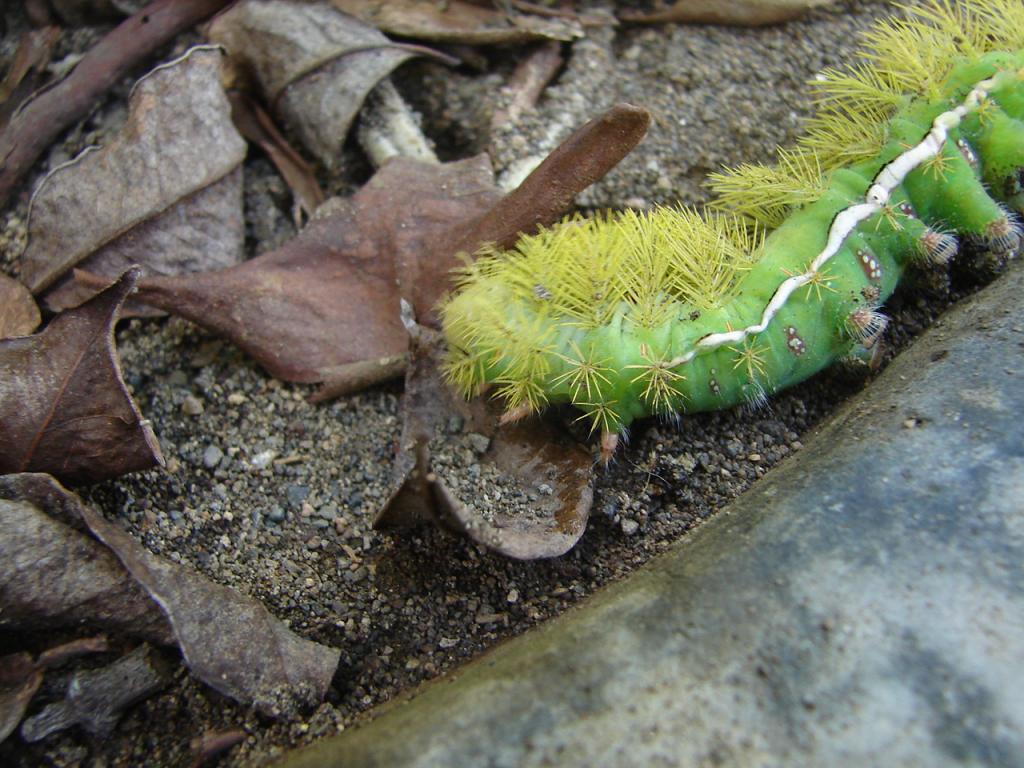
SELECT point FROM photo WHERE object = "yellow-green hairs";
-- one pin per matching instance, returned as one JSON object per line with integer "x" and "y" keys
{"x": 676, "y": 310}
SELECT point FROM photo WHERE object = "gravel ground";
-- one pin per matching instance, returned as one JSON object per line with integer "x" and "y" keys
{"x": 274, "y": 496}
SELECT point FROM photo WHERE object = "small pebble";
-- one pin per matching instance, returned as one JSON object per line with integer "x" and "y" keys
{"x": 276, "y": 513}
{"x": 629, "y": 526}
{"x": 212, "y": 456}
{"x": 479, "y": 443}
{"x": 192, "y": 406}
{"x": 328, "y": 511}
{"x": 262, "y": 460}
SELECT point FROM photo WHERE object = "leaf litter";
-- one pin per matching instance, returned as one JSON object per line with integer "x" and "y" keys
{"x": 19, "y": 315}
{"x": 213, "y": 625}
{"x": 329, "y": 297}
{"x": 462, "y": 22}
{"x": 165, "y": 193}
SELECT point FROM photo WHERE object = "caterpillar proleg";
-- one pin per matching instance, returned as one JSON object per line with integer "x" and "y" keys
{"x": 677, "y": 310}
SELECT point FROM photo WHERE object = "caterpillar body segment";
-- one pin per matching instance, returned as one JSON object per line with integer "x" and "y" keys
{"x": 677, "y": 311}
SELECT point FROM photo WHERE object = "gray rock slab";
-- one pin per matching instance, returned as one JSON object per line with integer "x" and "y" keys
{"x": 862, "y": 605}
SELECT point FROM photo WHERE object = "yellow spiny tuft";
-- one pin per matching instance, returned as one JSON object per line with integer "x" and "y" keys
{"x": 861, "y": 87}
{"x": 751, "y": 358}
{"x": 911, "y": 54}
{"x": 843, "y": 134}
{"x": 902, "y": 58}
{"x": 522, "y": 393}
{"x": 602, "y": 415}
{"x": 659, "y": 380}
{"x": 464, "y": 371}
{"x": 767, "y": 193}
{"x": 585, "y": 374}
{"x": 706, "y": 253}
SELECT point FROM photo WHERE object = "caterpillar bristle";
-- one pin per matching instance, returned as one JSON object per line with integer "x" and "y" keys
{"x": 659, "y": 382}
{"x": 767, "y": 193}
{"x": 512, "y": 415}
{"x": 843, "y": 133}
{"x": 601, "y": 414}
{"x": 1003, "y": 235}
{"x": 609, "y": 443}
{"x": 938, "y": 248}
{"x": 861, "y": 87}
{"x": 866, "y": 326}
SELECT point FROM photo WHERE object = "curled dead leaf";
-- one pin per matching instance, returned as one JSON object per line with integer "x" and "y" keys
{"x": 523, "y": 490}
{"x": 542, "y": 481}
{"x": 166, "y": 193}
{"x": 215, "y": 626}
{"x": 64, "y": 408}
{"x": 56, "y": 576}
{"x": 315, "y": 64}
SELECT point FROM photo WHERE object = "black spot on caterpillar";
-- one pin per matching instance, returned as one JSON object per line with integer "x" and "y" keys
{"x": 677, "y": 310}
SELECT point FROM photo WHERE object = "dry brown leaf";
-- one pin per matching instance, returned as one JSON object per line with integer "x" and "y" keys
{"x": 212, "y": 624}
{"x": 329, "y": 296}
{"x": 459, "y": 22}
{"x": 215, "y": 627}
{"x": 20, "y": 678}
{"x": 534, "y": 479}
{"x": 64, "y": 408}
{"x": 34, "y": 128}
{"x": 314, "y": 64}
{"x": 542, "y": 477}
{"x": 166, "y": 193}
{"x": 56, "y": 576}
{"x": 745, "y": 13}
{"x": 19, "y": 315}
{"x": 256, "y": 126}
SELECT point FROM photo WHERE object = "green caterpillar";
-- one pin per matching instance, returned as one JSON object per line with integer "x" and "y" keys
{"x": 678, "y": 311}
